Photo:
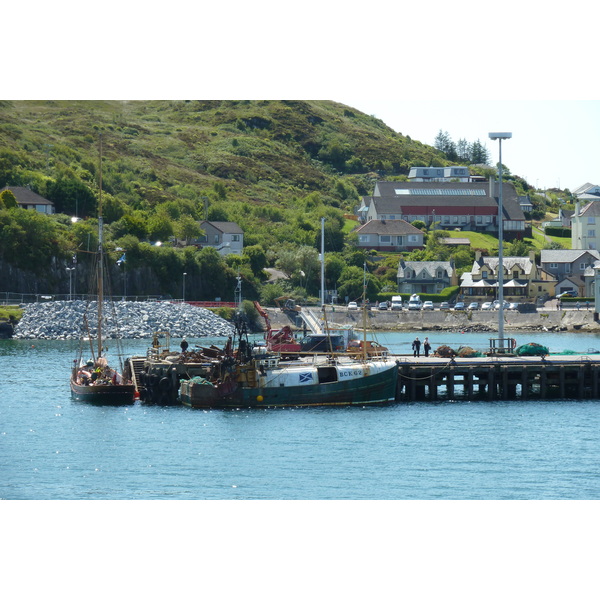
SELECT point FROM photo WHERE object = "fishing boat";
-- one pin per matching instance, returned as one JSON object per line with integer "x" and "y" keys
{"x": 94, "y": 380}
{"x": 252, "y": 377}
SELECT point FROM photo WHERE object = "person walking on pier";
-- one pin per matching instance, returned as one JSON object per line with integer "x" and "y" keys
{"x": 426, "y": 347}
{"x": 416, "y": 346}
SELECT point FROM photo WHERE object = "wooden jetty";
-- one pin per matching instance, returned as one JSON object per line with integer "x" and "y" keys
{"x": 498, "y": 378}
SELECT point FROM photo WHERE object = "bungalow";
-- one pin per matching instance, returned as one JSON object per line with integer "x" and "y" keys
{"x": 439, "y": 174}
{"x": 522, "y": 278}
{"x": 30, "y": 200}
{"x": 425, "y": 277}
{"x": 471, "y": 206}
{"x": 225, "y": 237}
{"x": 392, "y": 236}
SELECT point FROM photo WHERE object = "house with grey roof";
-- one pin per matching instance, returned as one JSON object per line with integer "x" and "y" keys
{"x": 425, "y": 277}
{"x": 522, "y": 278}
{"x": 468, "y": 206}
{"x": 569, "y": 267}
{"x": 587, "y": 192}
{"x": 525, "y": 203}
{"x": 223, "y": 236}
{"x": 29, "y": 200}
{"x": 395, "y": 235}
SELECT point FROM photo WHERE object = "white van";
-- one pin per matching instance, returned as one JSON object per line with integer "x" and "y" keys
{"x": 396, "y": 303}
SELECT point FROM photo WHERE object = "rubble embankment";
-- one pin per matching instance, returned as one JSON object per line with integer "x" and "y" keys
{"x": 64, "y": 320}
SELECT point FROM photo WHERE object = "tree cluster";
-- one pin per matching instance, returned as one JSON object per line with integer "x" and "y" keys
{"x": 474, "y": 153}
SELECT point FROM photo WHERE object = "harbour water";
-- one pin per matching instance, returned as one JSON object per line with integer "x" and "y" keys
{"x": 52, "y": 447}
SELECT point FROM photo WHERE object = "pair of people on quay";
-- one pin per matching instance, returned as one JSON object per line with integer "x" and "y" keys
{"x": 416, "y": 346}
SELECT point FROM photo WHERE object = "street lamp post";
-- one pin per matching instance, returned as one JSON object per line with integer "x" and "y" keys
{"x": 504, "y": 135}
{"x": 70, "y": 270}
{"x": 184, "y": 286}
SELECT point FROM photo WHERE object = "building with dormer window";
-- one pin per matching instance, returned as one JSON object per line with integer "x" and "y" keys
{"x": 522, "y": 278}
{"x": 425, "y": 277}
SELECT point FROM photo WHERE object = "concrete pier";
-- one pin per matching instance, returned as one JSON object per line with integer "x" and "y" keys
{"x": 498, "y": 378}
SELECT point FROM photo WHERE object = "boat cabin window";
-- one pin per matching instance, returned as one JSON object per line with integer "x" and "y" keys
{"x": 327, "y": 374}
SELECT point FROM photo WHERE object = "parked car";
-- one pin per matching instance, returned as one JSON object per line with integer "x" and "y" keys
{"x": 486, "y": 306}
{"x": 428, "y": 305}
{"x": 474, "y": 306}
{"x": 459, "y": 306}
{"x": 444, "y": 306}
{"x": 513, "y": 306}
{"x": 414, "y": 305}
{"x": 352, "y": 306}
{"x": 382, "y": 306}
{"x": 496, "y": 304}
{"x": 569, "y": 293}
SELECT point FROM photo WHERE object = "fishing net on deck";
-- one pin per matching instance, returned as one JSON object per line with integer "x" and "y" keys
{"x": 445, "y": 352}
{"x": 532, "y": 349}
{"x": 468, "y": 352}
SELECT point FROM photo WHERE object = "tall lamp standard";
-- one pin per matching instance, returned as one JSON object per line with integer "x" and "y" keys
{"x": 500, "y": 135}
{"x": 184, "y": 286}
{"x": 70, "y": 269}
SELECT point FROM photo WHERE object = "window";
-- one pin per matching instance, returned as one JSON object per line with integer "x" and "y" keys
{"x": 455, "y": 219}
{"x": 463, "y": 219}
{"x": 591, "y": 233}
{"x": 385, "y": 239}
{"x": 484, "y": 274}
{"x": 235, "y": 237}
{"x": 488, "y": 219}
{"x": 567, "y": 267}
{"x": 413, "y": 238}
{"x": 446, "y": 219}
{"x": 583, "y": 266}
{"x": 591, "y": 220}
{"x": 424, "y": 275}
{"x": 479, "y": 219}
{"x": 363, "y": 238}
{"x": 216, "y": 238}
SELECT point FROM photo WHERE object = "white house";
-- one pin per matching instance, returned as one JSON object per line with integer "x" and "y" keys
{"x": 225, "y": 237}
{"x": 585, "y": 227}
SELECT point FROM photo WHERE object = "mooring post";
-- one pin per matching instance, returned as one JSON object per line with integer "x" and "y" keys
{"x": 491, "y": 384}
{"x": 504, "y": 392}
{"x": 470, "y": 383}
{"x": 524, "y": 384}
{"x": 543, "y": 382}
{"x": 561, "y": 381}
{"x": 450, "y": 383}
{"x": 432, "y": 387}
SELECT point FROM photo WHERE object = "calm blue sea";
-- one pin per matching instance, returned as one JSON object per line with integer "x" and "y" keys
{"x": 52, "y": 447}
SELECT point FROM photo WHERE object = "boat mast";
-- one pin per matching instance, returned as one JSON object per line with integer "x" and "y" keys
{"x": 100, "y": 258}
{"x": 322, "y": 263}
{"x": 364, "y": 312}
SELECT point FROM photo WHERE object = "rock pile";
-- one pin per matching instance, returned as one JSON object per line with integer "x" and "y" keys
{"x": 64, "y": 320}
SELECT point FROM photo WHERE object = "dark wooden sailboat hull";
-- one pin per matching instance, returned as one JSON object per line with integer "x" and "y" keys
{"x": 104, "y": 393}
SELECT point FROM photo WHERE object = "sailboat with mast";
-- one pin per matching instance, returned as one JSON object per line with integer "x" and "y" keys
{"x": 95, "y": 380}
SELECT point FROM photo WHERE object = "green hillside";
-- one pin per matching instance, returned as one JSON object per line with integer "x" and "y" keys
{"x": 273, "y": 167}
